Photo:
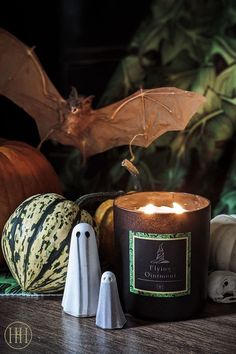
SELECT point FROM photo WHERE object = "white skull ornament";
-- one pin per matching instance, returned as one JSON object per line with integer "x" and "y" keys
{"x": 222, "y": 286}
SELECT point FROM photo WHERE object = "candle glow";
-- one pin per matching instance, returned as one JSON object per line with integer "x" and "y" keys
{"x": 153, "y": 209}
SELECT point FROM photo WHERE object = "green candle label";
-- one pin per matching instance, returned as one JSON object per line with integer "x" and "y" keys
{"x": 160, "y": 264}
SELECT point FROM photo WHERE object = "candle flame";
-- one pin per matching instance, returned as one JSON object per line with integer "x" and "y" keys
{"x": 178, "y": 208}
{"x": 148, "y": 209}
{"x": 152, "y": 209}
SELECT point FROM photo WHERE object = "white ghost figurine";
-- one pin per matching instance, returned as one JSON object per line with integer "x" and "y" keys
{"x": 222, "y": 286}
{"x": 109, "y": 312}
{"x": 81, "y": 291}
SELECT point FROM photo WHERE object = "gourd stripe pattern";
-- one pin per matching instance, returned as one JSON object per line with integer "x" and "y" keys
{"x": 36, "y": 241}
{"x": 51, "y": 259}
{"x": 17, "y": 229}
{"x": 11, "y": 238}
{"x": 49, "y": 210}
{"x": 21, "y": 208}
{"x": 56, "y": 256}
{"x": 48, "y": 289}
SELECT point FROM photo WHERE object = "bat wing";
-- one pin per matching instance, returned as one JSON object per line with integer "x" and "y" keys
{"x": 24, "y": 81}
{"x": 141, "y": 118}
{"x": 138, "y": 119}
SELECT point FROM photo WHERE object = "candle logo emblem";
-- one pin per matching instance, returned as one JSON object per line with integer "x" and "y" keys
{"x": 160, "y": 256}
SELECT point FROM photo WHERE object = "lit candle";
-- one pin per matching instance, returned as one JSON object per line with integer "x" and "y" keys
{"x": 162, "y": 245}
{"x": 153, "y": 209}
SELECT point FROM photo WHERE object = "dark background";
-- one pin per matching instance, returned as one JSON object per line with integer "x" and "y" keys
{"x": 78, "y": 42}
{"x": 81, "y": 43}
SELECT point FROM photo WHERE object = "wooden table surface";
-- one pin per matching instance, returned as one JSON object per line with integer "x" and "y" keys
{"x": 213, "y": 331}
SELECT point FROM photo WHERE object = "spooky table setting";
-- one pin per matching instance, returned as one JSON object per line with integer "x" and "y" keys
{"x": 122, "y": 271}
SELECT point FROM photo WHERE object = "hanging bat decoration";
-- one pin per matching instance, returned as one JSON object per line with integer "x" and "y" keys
{"x": 138, "y": 119}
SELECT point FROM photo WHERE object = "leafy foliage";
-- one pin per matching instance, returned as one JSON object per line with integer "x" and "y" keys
{"x": 10, "y": 287}
{"x": 190, "y": 45}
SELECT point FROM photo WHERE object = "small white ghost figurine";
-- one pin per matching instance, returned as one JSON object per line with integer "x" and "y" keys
{"x": 109, "y": 313}
{"x": 81, "y": 291}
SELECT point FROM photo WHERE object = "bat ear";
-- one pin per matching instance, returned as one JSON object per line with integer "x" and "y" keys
{"x": 87, "y": 102}
{"x": 73, "y": 93}
{"x": 77, "y": 101}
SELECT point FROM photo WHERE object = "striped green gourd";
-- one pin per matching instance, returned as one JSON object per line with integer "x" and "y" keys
{"x": 35, "y": 241}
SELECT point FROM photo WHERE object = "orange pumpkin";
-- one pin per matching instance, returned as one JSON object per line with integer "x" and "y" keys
{"x": 24, "y": 171}
{"x": 104, "y": 219}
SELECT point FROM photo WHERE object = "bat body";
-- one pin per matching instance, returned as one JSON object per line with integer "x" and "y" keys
{"x": 138, "y": 119}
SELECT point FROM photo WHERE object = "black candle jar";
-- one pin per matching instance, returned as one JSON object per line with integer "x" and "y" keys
{"x": 162, "y": 258}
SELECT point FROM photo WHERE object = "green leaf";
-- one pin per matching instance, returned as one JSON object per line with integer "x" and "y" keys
{"x": 229, "y": 107}
{"x": 212, "y": 103}
{"x": 205, "y": 78}
{"x": 149, "y": 48}
{"x": 178, "y": 146}
{"x": 182, "y": 80}
{"x": 227, "y": 18}
{"x": 163, "y": 10}
{"x": 183, "y": 62}
{"x": 227, "y": 204}
{"x": 214, "y": 138}
{"x": 225, "y": 83}
{"x": 221, "y": 47}
{"x": 181, "y": 40}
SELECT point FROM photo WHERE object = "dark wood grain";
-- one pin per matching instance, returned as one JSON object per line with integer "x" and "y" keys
{"x": 213, "y": 331}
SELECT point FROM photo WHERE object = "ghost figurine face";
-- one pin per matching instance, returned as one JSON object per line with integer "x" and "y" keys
{"x": 108, "y": 277}
{"x": 81, "y": 292}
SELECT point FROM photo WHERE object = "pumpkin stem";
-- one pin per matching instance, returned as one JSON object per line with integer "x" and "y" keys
{"x": 97, "y": 197}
